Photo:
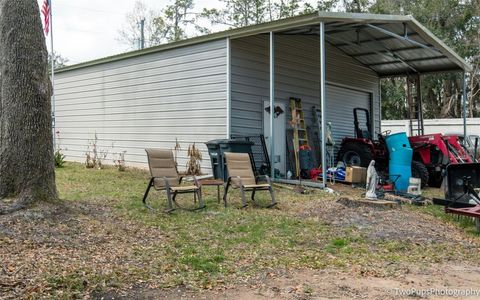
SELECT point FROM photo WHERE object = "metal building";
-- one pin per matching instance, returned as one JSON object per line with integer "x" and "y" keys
{"x": 218, "y": 85}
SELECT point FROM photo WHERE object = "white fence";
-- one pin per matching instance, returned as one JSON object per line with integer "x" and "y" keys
{"x": 435, "y": 126}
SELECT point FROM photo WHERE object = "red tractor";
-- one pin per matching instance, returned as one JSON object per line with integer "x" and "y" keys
{"x": 436, "y": 152}
{"x": 432, "y": 153}
{"x": 361, "y": 149}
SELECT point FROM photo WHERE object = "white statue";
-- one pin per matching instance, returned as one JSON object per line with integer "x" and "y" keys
{"x": 330, "y": 140}
{"x": 372, "y": 181}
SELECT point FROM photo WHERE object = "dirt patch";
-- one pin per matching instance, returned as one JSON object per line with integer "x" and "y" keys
{"x": 80, "y": 249}
{"x": 71, "y": 242}
{"x": 377, "y": 222}
{"x": 416, "y": 282}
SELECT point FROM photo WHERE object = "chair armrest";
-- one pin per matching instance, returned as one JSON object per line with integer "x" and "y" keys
{"x": 264, "y": 177}
{"x": 197, "y": 182}
{"x": 229, "y": 180}
{"x": 165, "y": 180}
{"x": 167, "y": 184}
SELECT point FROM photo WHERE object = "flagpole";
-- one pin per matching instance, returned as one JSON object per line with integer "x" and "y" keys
{"x": 52, "y": 58}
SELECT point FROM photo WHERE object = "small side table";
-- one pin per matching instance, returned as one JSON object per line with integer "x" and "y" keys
{"x": 213, "y": 182}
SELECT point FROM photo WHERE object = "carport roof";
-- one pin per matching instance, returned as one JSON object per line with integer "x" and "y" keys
{"x": 390, "y": 45}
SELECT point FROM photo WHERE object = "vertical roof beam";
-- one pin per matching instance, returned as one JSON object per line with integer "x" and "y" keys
{"x": 464, "y": 103}
{"x": 272, "y": 105}
{"x": 323, "y": 100}
{"x": 229, "y": 88}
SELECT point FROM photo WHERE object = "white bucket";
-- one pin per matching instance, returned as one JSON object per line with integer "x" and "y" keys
{"x": 415, "y": 186}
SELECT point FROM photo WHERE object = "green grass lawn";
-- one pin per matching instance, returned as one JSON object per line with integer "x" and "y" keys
{"x": 216, "y": 246}
{"x": 466, "y": 223}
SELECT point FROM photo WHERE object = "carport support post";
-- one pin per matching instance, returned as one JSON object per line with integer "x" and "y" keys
{"x": 272, "y": 106}
{"x": 464, "y": 102}
{"x": 322, "y": 101}
{"x": 229, "y": 88}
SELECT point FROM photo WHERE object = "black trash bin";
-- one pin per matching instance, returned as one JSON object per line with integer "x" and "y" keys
{"x": 216, "y": 150}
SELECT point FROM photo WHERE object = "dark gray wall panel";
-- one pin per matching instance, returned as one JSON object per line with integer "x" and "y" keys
{"x": 349, "y": 84}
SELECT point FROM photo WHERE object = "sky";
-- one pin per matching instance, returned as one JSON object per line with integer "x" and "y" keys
{"x": 84, "y": 30}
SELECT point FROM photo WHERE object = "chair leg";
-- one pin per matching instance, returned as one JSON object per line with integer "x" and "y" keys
{"x": 144, "y": 200}
{"x": 170, "y": 202}
{"x": 272, "y": 194}
{"x": 244, "y": 202}
{"x": 195, "y": 197}
{"x": 200, "y": 199}
{"x": 225, "y": 192}
{"x": 174, "y": 196}
{"x": 253, "y": 194}
{"x": 218, "y": 194}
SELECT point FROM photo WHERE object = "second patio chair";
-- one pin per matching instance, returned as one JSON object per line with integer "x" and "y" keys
{"x": 164, "y": 176}
{"x": 241, "y": 176}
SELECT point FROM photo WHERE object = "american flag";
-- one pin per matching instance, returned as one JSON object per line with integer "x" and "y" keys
{"x": 46, "y": 16}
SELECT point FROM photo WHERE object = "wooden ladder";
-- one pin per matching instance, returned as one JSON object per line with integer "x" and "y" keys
{"x": 300, "y": 136}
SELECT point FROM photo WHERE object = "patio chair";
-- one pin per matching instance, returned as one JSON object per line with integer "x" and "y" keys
{"x": 241, "y": 176}
{"x": 164, "y": 176}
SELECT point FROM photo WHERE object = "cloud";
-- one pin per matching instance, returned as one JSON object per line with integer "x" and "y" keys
{"x": 87, "y": 29}
{"x": 84, "y": 30}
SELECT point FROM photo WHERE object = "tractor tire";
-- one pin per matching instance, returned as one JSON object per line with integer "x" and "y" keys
{"x": 420, "y": 171}
{"x": 435, "y": 179}
{"x": 355, "y": 154}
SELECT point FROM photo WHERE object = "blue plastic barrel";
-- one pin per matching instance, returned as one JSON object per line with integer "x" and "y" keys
{"x": 397, "y": 142}
{"x": 403, "y": 157}
{"x": 400, "y": 163}
{"x": 400, "y": 175}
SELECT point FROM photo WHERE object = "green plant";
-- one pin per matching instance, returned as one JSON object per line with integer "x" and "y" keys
{"x": 58, "y": 155}
{"x": 59, "y": 159}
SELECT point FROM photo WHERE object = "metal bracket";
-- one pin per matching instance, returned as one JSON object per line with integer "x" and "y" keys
{"x": 387, "y": 53}
{"x": 410, "y": 48}
{"x": 403, "y": 38}
{"x": 406, "y": 60}
{"x": 394, "y": 55}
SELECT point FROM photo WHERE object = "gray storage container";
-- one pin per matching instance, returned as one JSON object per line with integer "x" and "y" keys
{"x": 216, "y": 149}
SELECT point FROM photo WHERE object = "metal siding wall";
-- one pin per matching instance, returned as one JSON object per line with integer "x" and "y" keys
{"x": 297, "y": 75}
{"x": 250, "y": 81}
{"x": 341, "y": 114}
{"x": 145, "y": 101}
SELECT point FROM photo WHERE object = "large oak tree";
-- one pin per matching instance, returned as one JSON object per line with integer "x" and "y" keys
{"x": 26, "y": 142}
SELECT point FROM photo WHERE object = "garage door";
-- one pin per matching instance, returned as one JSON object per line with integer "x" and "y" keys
{"x": 340, "y": 104}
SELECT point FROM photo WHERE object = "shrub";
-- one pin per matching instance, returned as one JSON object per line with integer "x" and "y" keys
{"x": 59, "y": 159}
{"x": 120, "y": 162}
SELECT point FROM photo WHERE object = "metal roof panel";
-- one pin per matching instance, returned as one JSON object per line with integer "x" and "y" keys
{"x": 380, "y": 35}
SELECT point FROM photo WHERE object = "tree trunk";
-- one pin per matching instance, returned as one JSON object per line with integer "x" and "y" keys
{"x": 27, "y": 171}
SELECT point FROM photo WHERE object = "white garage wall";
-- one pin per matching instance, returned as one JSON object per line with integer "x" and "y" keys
{"x": 435, "y": 126}
{"x": 145, "y": 101}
